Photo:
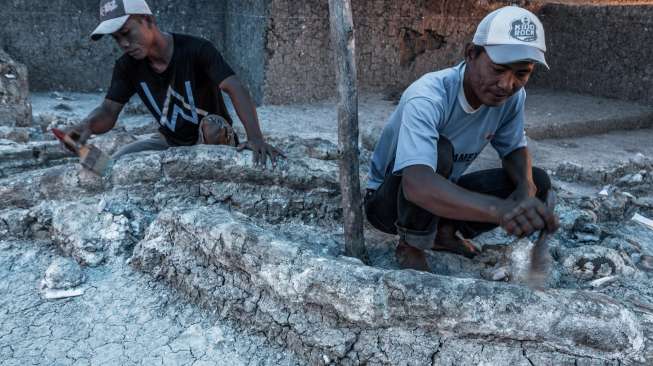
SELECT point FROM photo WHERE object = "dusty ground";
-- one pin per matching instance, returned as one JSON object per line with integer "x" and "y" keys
{"x": 127, "y": 317}
{"x": 123, "y": 318}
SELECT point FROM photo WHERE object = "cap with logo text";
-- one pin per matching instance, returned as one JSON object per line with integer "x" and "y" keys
{"x": 114, "y": 14}
{"x": 512, "y": 34}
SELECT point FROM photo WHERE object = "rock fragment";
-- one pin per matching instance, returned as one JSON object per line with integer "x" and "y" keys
{"x": 16, "y": 134}
{"x": 62, "y": 279}
{"x": 646, "y": 263}
{"x": 15, "y": 107}
{"x": 592, "y": 262}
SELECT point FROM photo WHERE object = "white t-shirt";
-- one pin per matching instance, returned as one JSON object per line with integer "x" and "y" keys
{"x": 434, "y": 106}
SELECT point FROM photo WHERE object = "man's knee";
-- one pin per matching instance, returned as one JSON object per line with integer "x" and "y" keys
{"x": 156, "y": 142}
{"x": 445, "y": 157}
{"x": 216, "y": 130}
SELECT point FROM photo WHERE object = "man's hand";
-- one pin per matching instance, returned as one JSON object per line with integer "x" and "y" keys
{"x": 261, "y": 150}
{"x": 523, "y": 192}
{"x": 100, "y": 120}
{"x": 528, "y": 216}
{"x": 246, "y": 111}
{"x": 79, "y": 133}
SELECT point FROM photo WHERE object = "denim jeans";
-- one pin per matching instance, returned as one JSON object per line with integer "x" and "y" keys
{"x": 389, "y": 211}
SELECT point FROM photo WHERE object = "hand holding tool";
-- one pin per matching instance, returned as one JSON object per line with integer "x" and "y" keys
{"x": 90, "y": 156}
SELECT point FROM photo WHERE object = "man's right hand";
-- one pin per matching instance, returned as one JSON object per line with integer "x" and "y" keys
{"x": 523, "y": 218}
{"x": 79, "y": 133}
{"x": 102, "y": 118}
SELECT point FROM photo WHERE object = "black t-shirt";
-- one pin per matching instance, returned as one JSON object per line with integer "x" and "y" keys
{"x": 183, "y": 94}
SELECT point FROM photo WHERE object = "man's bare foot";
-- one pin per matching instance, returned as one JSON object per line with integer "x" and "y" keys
{"x": 411, "y": 258}
{"x": 447, "y": 241}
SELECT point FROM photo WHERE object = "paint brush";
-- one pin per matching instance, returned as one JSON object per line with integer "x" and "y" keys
{"x": 90, "y": 157}
{"x": 540, "y": 257}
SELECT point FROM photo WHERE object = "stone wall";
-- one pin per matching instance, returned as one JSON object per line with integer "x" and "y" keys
{"x": 596, "y": 47}
{"x": 600, "y": 50}
{"x": 245, "y": 31}
{"x": 52, "y": 38}
{"x": 281, "y": 48}
{"x": 396, "y": 43}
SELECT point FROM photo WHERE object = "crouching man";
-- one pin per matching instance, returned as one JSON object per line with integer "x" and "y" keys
{"x": 179, "y": 78}
{"x": 444, "y": 120}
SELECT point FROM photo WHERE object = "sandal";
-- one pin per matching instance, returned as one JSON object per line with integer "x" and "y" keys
{"x": 462, "y": 247}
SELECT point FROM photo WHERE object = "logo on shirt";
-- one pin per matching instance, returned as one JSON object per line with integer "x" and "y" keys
{"x": 108, "y": 8}
{"x": 524, "y": 30}
{"x": 175, "y": 106}
{"x": 465, "y": 157}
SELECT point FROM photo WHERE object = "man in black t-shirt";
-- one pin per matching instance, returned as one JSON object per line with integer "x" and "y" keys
{"x": 179, "y": 78}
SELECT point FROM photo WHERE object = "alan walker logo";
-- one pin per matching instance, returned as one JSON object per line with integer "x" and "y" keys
{"x": 524, "y": 30}
{"x": 108, "y": 8}
{"x": 175, "y": 106}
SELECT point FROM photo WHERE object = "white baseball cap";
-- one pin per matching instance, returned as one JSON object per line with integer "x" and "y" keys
{"x": 114, "y": 14}
{"x": 512, "y": 34}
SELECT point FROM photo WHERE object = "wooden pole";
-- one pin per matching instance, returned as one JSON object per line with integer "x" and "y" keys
{"x": 344, "y": 45}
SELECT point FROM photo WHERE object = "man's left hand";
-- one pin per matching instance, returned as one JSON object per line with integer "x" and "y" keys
{"x": 261, "y": 150}
{"x": 522, "y": 192}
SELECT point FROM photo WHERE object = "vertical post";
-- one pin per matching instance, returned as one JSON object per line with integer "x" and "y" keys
{"x": 344, "y": 45}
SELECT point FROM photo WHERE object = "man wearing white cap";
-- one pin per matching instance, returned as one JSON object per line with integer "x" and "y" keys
{"x": 179, "y": 78}
{"x": 416, "y": 186}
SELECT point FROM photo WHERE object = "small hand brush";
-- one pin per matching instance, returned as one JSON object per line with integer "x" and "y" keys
{"x": 540, "y": 257}
{"x": 90, "y": 156}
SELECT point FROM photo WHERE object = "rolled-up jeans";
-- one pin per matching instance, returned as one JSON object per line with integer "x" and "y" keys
{"x": 159, "y": 142}
{"x": 388, "y": 210}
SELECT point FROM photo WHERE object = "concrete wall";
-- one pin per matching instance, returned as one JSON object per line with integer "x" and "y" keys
{"x": 397, "y": 41}
{"x": 281, "y": 48}
{"x": 600, "y": 50}
{"x": 51, "y": 37}
{"x": 246, "y": 23}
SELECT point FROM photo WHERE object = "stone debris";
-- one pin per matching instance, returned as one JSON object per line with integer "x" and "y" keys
{"x": 646, "y": 263}
{"x": 643, "y": 220}
{"x": 62, "y": 280}
{"x": 16, "y": 134}
{"x": 47, "y": 121}
{"x": 600, "y": 282}
{"x": 63, "y": 107}
{"x": 60, "y": 96}
{"x": 631, "y": 179}
{"x": 263, "y": 249}
{"x": 591, "y": 262}
{"x": 15, "y": 108}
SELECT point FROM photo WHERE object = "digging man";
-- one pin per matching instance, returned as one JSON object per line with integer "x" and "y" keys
{"x": 444, "y": 120}
{"x": 179, "y": 78}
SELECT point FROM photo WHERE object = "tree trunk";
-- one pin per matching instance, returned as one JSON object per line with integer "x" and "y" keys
{"x": 344, "y": 45}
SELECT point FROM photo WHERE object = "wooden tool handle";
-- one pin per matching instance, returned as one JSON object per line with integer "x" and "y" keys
{"x": 66, "y": 140}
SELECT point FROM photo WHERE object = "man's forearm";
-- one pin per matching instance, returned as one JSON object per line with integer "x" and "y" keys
{"x": 442, "y": 198}
{"x": 519, "y": 167}
{"x": 103, "y": 118}
{"x": 244, "y": 106}
{"x": 98, "y": 122}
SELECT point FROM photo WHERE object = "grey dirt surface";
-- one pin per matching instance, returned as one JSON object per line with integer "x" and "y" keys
{"x": 123, "y": 318}
{"x": 549, "y": 115}
{"x": 195, "y": 256}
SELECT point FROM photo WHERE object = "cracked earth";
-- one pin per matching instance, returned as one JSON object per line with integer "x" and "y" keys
{"x": 193, "y": 256}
